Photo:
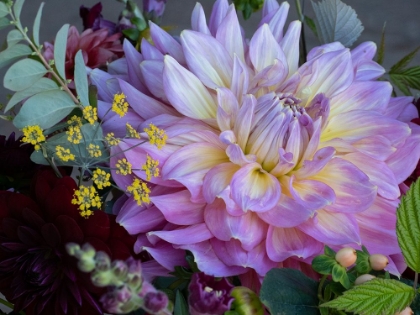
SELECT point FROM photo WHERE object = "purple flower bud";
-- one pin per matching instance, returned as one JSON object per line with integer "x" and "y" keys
{"x": 116, "y": 301}
{"x": 92, "y": 18}
{"x": 153, "y": 9}
{"x": 120, "y": 269}
{"x": 103, "y": 262}
{"x": 155, "y": 301}
{"x": 208, "y": 295}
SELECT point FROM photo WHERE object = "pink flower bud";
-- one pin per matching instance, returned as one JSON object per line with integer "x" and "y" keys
{"x": 346, "y": 256}
{"x": 363, "y": 278}
{"x": 378, "y": 261}
{"x": 406, "y": 311}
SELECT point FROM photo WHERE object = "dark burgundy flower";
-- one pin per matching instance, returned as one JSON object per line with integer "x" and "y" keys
{"x": 92, "y": 18}
{"x": 36, "y": 273}
{"x": 209, "y": 295}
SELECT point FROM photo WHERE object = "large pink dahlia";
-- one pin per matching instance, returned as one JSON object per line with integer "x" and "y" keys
{"x": 265, "y": 162}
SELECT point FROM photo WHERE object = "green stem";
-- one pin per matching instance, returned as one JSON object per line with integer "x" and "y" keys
{"x": 416, "y": 279}
{"x": 320, "y": 287}
{"x": 303, "y": 50}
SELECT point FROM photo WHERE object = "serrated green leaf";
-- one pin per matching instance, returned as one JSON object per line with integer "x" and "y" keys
{"x": 399, "y": 84}
{"x": 80, "y": 79}
{"x": 289, "y": 291}
{"x": 14, "y": 37}
{"x": 336, "y": 21}
{"x": 4, "y": 9}
{"x": 60, "y": 46}
{"x": 23, "y": 74}
{"x": 42, "y": 85}
{"x": 339, "y": 274}
{"x": 408, "y": 226}
{"x": 381, "y": 49}
{"x": 37, "y": 23}
{"x": 4, "y": 22}
{"x": 409, "y": 77}
{"x": 44, "y": 109}
{"x": 323, "y": 264}
{"x": 181, "y": 306}
{"x": 13, "y": 53}
{"x": 375, "y": 297}
{"x": 404, "y": 61}
{"x": 17, "y": 8}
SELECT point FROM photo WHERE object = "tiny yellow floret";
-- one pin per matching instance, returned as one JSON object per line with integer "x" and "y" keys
{"x": 75, "y": 121}
{"x": 151, "y": 168}
{"x": 131, "y": 132}
{"x": 101, "y": 178}
{"x": 94, "y": 150}
{"x": 140, "y": 191}
{"x": 64, "y": 154}
{"x": 74, "y": 134}
{"x": 86, "y": 198}
{"x": 111, "y": 140}
{"x": 120, "y": 104}
{"x": 90, "y": 114}
{"x": 157, "y": 136}
{"x": 123, "y": 167}
{"x": 33, "y": 135}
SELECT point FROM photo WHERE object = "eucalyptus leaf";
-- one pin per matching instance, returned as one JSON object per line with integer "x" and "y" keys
{"x": 17, "y": 8}
{"x": 4, "y": 9}
{"x": 374, "y": 297}
{"x": 336, "y": 21}
{"x": 23, "y": 74}
{"x": 13, "y": 53}
{"x": 14, "y": 37}
{"x": 289, "y": 291}
{"x": 44, "y": 109}
{"x": 37, "y": 23}
{"x": 60, "y": 46}
{"x": 80, "y": 79}
{"x": 42, "y": 85}
{"x": 4, "y": 22}
{"x": 181, "y": 306}
{"x": 408, "y": 226}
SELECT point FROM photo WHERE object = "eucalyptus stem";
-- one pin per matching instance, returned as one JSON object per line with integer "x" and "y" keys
{"x": 320, "y": 287}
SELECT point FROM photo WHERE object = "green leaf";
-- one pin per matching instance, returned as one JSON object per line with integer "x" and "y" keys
{"x": 60, "y": 46}
{"x": 23, "y": 74}
{"x": 14, "y": 37}
{"x": 37, "y": 23}
{"x": 375, "y": 297}
{"x": 409, "y": 77}
{"x": 329, "y": 251}
{"x": 381, "y": 50}
{"x": 399, "y": 84}
{"x": 311, "y": 25}
{"x": 80, "y": 79}
{"x": 339, "y": 274}
{"x": 13, "y": 53}
{"x": 17, "y": 8}
{"x": 336, "y": 21}
{"x": 41, "y": 85}
{"x": 323, "y": 264}
{"x": 289, "y": 291}
{"x": 362, "y": 262}
{"x": 4, "y": 22}
{"x": 404, "y": 61}
{"x": 4, "y": 9}
{"x": 44, "y": 109}
{"x": 181, "y": 306}
{"x": 408, "y": 226}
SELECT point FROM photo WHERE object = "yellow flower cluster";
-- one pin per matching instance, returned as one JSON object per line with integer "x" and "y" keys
{"x": 101, "y": 178}
{"x": 151, "y": 168}
{"x": 74, "y": 134}
{"x": 64, "y": 154}
{"x": 94, "y": 150}
{"x": 157, "y": 136}
{"x": 120, "y": 105}
{"x": 131, "y": 132}
{"x": 75, "y": 121}
{"x": 90, "y": 114}
{"x": 86, "y": 198}
{"x": 111, "y": 140}
{"x": 123, "y": 167}
{"x": 140, "y": 191}
{"x": 33, "y": 135}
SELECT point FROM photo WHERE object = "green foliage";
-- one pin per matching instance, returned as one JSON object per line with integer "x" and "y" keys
{"x": 80, "y": 79}
{"x": 17, "y": 8}
{"x": 248, "y": 6}
{"x": 14, "y": 37}
{"x": 60, "y": 46}
{"x": 324, "y": 264}
{"x": 329, "y": 252}
{"x": 37, "y": 23}
{"x": 4, "y": 9}
{"x": 13, "y": 53}
{"x": 407, "y": 78}
{"x": 381, "y": 49}
{"x": 289, "y": 291}
{"x": 362, "y": 262}
{"x": 311, "y": 24}
{"x": 181, "y": 306}
{"x": 375, "y": 297}
{"x": 4, "y": 22}
{"x": 23, "y": 74}
{"x": 339, "y": 274}
{"x": 408, "y": 226}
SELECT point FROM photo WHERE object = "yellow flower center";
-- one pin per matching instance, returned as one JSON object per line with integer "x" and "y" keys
{"x": 120, "y": 105}
{"x": 151, "y": 168}
{"x": 33, "y": 135}
{"x": 157, "y": 136}
{"x": 140, "y": 191}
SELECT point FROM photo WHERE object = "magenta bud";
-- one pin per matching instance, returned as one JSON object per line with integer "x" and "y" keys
{"x": 155, "y": 302}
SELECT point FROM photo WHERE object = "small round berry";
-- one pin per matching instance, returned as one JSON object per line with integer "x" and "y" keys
{"x": 378, "y": 261}
{"x": 346, "y": 256}
{"x": 363, "y": 278}
{"x": 406, "y": 311}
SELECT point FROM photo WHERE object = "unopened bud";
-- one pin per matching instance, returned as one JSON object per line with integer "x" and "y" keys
{"x": 346, "y": 256}
{"x": 88, "y": 250}
{"x": 103, "y": 262}
{"x": 154, "y": 302}
{"x": 120, "y": 269}
{"x": 72, "y": 248}
{"x": 86, "y": 265}
{"x": 378, "y": 261}
{"x": 363, "y": 278}
{"x": 406, "y": 311}
{"x": 102, "y": 278}
{"x": 246, "y": 301}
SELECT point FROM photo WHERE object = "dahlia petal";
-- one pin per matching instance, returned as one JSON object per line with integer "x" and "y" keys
{"x": 166, "y": 44}
{"x": 99, "y": 78}
{"x": 284, "y": 165}
{"x": 218, "y": 13}
{"x": 264, "y": 49}
{"x": 29, "y": 236}
{"x": 245, "y": 117}
{"x": 134, "y": 58}
{"x": 368, "y": 70}
{"x": 318, "y": 51}
{"x": 313, "y": 144}
{"x": 209, "y": 263}
{"x": 290, "y": 45}
{"x": 149, "y": 51}
{"x": 401, "y": 108}
{"x": 272, "y": 75}
{"x": 51, "y": 234}
{"x": 240, "y": 79}
{"x": 217, "y": 179}
{"x": 254, "y": 189}
{"x": 397, "y": 263}
{"x": 186, "y": 235}
{"x": 245, "y": 228}
{"x": 186, "y": 92}
{"x": 237, "y": 156}
{"x": 166, "y": 255}
{"x": 332, "y": 228}
{"x": 177, "y": 208}
{"x": 283, "y": 243}
{"x": 152, "y": 71}
{"x": 277, "y": 20}
{"x": 198, "y": 20}
{"x": 227, "y": 109}
{"x": 207, "y": 59}
{"x": 269, "y": 7}
{"x": 287, "y": 213}
{"x": 151, "y": 269}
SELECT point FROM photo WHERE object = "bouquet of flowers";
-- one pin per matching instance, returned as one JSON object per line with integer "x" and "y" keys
{"x": 211, "y": 171}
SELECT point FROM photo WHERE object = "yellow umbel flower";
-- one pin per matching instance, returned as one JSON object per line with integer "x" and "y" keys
{"x": 123, "y": 167}
{"x": 157, "y": 136}
{"x": 111, "y": 140}
{"x": 64, "y": 154}
{"x": 90, "y": 114}
{"x": 75, "y": 121}
{"x": 33, "y": 135}
{"x": 101, "y": 178}
{"x": 151, "y": 168}
{"x": 94, "y": 150}
{"x": 120, "y": 105}
{"x": 74, "y": 134}
{"x": 86, "y": 198}
{"x": 140, "y": 191}
{"x": 131, "y": 132}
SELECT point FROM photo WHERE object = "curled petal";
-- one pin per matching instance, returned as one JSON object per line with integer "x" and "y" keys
{"x": 198, "y": 20}
{"x": 217, "y": 179}
{"x": 187, "y": 235}
{"x": 166, "y": 44}
{"x": 220, "y": 9}
{"x": 166, "y": 255}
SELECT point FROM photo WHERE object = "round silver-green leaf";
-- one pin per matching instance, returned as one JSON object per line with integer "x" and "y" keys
{"x": 23, "y": 74}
